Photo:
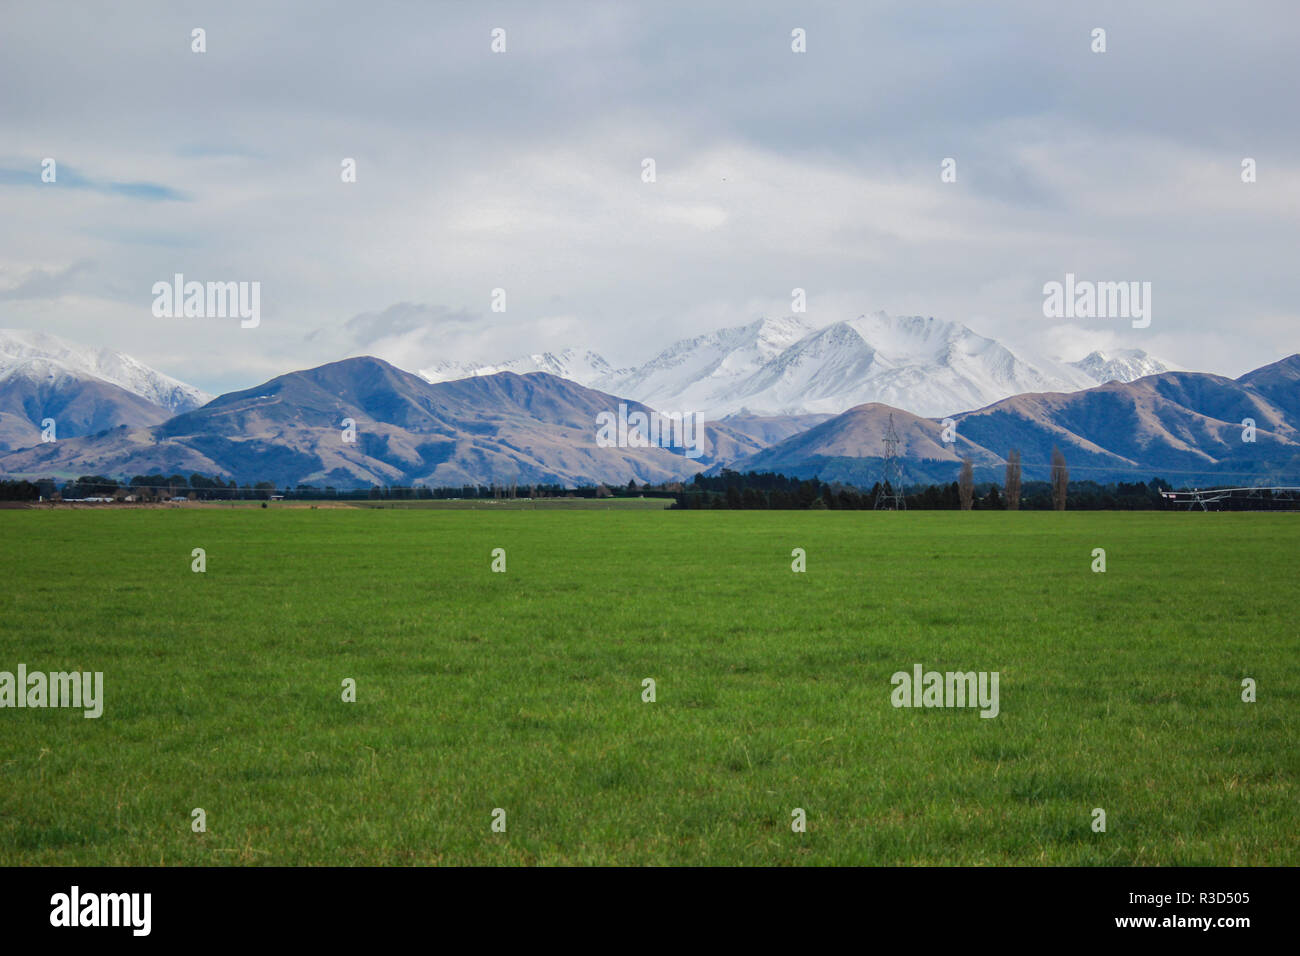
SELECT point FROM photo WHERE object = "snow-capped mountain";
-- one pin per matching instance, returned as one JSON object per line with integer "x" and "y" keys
{"x": 1123, "y": 365}
{"x": 583, "y": 367}
{"x": 694, "y": 374}
{"x": 46, "y": 360}
{"x": 786, "y": 367}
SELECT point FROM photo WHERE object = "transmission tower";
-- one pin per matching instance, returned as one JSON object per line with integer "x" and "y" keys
{"x": 890, "y": 495}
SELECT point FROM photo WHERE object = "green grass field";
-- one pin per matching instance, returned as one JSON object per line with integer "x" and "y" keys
{"x": 478, "y": 690}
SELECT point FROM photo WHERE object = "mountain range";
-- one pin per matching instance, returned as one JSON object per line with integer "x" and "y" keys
{"x": 534, "y": 428}
{"x": 117, "y": 417}
{"x": 1186, "y": 427}
{"x": 788, "y": 366}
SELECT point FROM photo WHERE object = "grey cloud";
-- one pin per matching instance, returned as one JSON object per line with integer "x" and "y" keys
{"x": 45, "y": 284}
{"x": 521, "y": 169}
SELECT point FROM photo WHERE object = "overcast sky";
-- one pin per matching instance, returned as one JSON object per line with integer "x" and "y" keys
{"x": 522, "y": 170}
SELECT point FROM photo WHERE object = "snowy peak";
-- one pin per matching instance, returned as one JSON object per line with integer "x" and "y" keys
{"x": 773, "y": 336}
{"x": 812, "y": 373}
{"x": 687, "y": 373}
{"x": 43, "y": 359}
{"x": 583, "y": 367}
{"x": 1124, "y": 365}
{"x": 725, "y": 353}
{"x": 914, "y": 336}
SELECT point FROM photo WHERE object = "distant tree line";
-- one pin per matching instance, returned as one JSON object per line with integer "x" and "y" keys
{"x": 726, "y": 490}
{"x": 19, "y": 491}
{"x": 156, "y": 487}
{"x": 197, "y": 487}
{"x": 757, "y": 491}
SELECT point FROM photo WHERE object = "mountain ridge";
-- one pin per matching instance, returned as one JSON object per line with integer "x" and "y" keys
{"x": 535, "y": 428}
{"x": 1174, "y": 424}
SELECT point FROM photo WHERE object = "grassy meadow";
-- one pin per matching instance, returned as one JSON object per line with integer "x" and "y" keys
{"x": 523, "y": 691}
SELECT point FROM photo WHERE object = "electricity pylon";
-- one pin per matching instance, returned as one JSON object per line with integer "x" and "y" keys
{"x": 890, "y": 496}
